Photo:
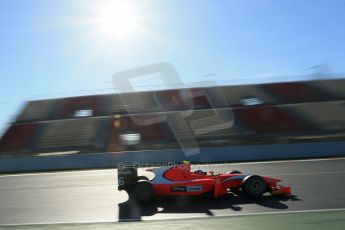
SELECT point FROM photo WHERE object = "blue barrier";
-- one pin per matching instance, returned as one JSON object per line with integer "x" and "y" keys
{"x": 206, "y": 155}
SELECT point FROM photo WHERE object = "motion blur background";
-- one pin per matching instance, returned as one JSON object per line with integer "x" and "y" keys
{"x": 279, "y": 64}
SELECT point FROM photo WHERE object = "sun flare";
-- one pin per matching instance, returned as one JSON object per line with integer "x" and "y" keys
{"x": 117, "y": 20}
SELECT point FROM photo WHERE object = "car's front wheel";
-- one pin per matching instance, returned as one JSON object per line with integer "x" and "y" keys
{"x": 254, "y": 186}
{"x": 234, "y": 172}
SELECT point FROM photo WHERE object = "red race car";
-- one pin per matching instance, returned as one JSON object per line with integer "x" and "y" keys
{"x": 179, "y": 180}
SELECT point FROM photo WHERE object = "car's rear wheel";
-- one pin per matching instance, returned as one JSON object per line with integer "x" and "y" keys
{"x": 254, "y": 186}
{"x": 143, "y": 192}
{"x": 142, "y": 178}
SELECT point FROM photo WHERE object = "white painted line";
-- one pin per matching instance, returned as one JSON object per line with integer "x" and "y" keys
{"x": 61, "y": 172}
{"x": 57, "y": 153}
{"x": 149, "y": 219}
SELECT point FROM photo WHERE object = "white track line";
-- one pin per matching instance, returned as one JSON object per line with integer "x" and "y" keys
{"x": 61, "y": 172}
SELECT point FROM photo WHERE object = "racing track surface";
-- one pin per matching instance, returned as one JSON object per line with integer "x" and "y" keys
{"x": 91, "y": 196}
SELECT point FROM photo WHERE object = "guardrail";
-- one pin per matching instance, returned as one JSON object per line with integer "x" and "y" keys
{"x": 206, "y": 155}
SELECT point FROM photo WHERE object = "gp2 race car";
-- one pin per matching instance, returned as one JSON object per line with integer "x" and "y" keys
{"x": 179, "y": 180}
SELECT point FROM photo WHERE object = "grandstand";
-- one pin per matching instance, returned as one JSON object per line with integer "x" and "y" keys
{"x": 263, "y": 113}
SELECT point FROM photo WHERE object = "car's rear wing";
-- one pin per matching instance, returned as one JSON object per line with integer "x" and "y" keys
{"x": 127, "y": 177}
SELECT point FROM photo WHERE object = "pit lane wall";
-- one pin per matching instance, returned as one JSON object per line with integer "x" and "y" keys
{"x": 206, "y": 155}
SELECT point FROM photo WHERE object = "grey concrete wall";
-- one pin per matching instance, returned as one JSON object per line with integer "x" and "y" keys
{"x": 206, "y": 155}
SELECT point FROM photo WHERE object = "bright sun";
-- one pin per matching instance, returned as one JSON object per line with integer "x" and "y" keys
{"x": 117, "y": 20}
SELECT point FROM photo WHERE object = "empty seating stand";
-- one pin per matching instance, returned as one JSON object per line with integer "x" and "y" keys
{"x": 167, "y": 129}
{"x": 268, "y": 120}
{"x": 71, "y": 134}
{"x": 295, "y": 92}
{"x": 139, "y": 102}
{"x": 235, "y": 94}
{"x": 68, "y": 107}
{"x": 211, "y": 116}
{"x": 18, "y": 139}
{"x": 334, "y": 87}
{"x": 37, "y": 111}
{"x": 329, "y": 116}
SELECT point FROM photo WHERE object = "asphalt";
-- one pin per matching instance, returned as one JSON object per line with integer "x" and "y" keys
{"x": 311, "y": 220}
{"x": 91, "y": 196}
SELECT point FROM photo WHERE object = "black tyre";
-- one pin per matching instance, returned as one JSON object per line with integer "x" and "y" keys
{"x": 142, "y": 178}
{"x": 235, "y": 172}
{"x": 254, "y": 186}
{"x": 143, "y": 192}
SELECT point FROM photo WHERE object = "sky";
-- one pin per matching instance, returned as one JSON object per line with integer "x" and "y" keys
{"x": 58, "y": 48}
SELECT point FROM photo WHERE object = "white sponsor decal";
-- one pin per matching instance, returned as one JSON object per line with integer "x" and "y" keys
{"x": 194, "y": 188}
